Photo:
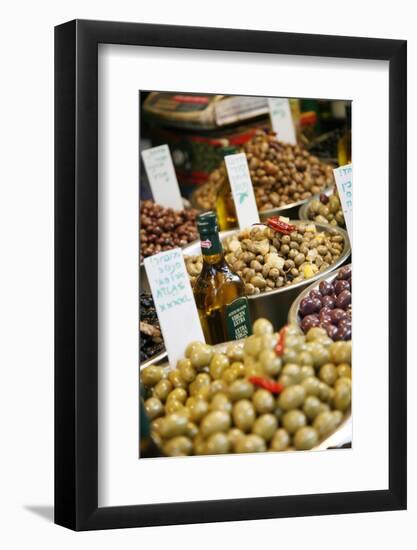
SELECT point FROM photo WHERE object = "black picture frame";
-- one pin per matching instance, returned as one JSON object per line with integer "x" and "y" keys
{"x": 76, "y": 271}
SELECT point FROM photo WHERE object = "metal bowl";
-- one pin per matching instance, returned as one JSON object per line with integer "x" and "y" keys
{"x": 342, "y": 436}
{"x": 293, "y": 316}
{"x": 273, "y": 305}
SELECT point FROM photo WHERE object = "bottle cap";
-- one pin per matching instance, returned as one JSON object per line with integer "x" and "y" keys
{"x": 207, "y": 223}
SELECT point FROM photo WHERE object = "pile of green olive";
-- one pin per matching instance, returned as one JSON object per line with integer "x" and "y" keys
{"x": 326, "y": 209}
{"x": 213, "y": 402}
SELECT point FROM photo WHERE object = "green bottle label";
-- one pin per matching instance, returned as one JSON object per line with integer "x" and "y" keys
{"x": 238, "y": 323}
{"x": 211, "y": 244}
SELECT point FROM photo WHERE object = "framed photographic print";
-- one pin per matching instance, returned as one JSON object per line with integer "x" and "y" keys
{"x": 230, "y": 338}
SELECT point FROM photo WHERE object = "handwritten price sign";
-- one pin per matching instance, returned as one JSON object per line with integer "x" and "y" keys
{"x": 174, "y": 302}
{"x": 281, "y": 119}
{"x": 344, "y": 182}
{"x": 242, "y": 189}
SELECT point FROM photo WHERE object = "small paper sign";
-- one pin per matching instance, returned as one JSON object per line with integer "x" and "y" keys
{"x": 344, "y": 178}
{"x": 174, "y": 302}
{"x": 281, "y": 119}
{"x": 242, "y": 189}
{"x": 162, "y": 178}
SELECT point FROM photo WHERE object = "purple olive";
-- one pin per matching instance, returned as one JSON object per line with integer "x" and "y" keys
{"x": 330, "y": 329}
{"x": 337, "y": 315}
{"x": 339, "y": 286}
{"x": 344, "y": 299}
{"x": 324, "y": 199}
{"x": 325, "y": 288}
{"x": 343, "y": 333}
{"x": 345, "y": 273}
{"x": 315, "y": 294}
{"x": 309, "y": 322}
{"x": 324, "y": 313}
{"x": 307, "y": 306}
{"x": 328, "y": 301}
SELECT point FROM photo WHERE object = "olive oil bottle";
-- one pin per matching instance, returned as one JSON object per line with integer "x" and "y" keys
{"x": 225, "y": 205}
{"x": 219, "y": 293}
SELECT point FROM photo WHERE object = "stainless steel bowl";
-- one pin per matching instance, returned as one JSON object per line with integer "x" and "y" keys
{"x": 273, "y": 305}
{"x": 342, "y": 436}
{"x": 293, "y": 316}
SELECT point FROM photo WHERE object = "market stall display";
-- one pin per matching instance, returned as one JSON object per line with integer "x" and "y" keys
{"x": 164, "y": 228}
{"x": 272, "y": 391}
{"x": 326, "y": 304}
{"x": 281, "y": 174}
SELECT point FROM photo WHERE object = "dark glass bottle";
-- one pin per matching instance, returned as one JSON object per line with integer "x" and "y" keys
{"x": 219, "y": 293}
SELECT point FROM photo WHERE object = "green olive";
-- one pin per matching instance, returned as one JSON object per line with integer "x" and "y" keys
{"x": 304, "y": 358}
{"x": 192, "y": 430}
{"x": 234, "y": 352}
{"x": 218, "y": 365}
{"x": 342, "y": 397}
{"x": 270, "y": 362}
{"x": 324, "y": 423}
{"x": 315, "y": 333}
{"x": 311, "y": 385}
{"x": 162, "y": 389}
{"x": 319, "y": 353}
{"x": 172, "y": 425}
{"x": 290, "y": 356}
{"x": 151, "y": 375}
{"x": 221, "y": 402}
{"x": 201, "y": 385}
{"x": 305, "y": 438}
{"x": 261, "y": 327}
{"x": 215, "y": 421}
{"x": 174, "y": 377}
{"x": 201, "y": 356}
{"x": 240, "y": 389}
{"x": 186, "y": 370}
{"x": 199, "y": 445}
{"x": 292, "y": 397}
{"x": 311, "y": 407}
{"x": 344, "y": 370}
{"x": 243, "y": 415}
{"x": 286, "y": 380}
{"x": 328, "y": 373}
{"x": 193, "y": 346}
{"x": 293, "y": 370}
{"x": 233, "y": 435}
{"x": 230, "y": 375}
{"x": 218, "y": 386}
{"x": 269, "y": 341}
{"x": 154, "y": 408}
{"x": 178, "y": 446}
{"x": 263, "y": 401}
{"x": 251, "y": 443}
{"x": 217, "y": 444}
{"x": 265, "y": 426}
{"x": 306, "y": 371}
{"x": 172, "y": 406}
{"x": 178, "y": 394}
{"x": 341, "y": 352}
{"x": 293, "y": 420}
{"x": 325, "y": 392}
{"x": 197, "y": 407}
{"x": 253, "y": 345}
{"x": 280, "y": 440}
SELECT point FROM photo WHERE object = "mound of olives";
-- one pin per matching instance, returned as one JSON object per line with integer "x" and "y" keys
{"x": 267, "y": 260}
{"x": 330, "y": 306}
{"x": 251, "y": 397}
{"x": 326, "y": 209}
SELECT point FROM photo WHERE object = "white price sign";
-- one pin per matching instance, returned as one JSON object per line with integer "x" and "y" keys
{"x": 162, "y": 178}
{"x": 344, "y": 181}
{"x": 281, "y": 119}
{"x": 242, "y": 189}
{"x": 174, "y": 302}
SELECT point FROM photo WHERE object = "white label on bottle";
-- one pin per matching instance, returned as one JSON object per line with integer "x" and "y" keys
{"x": 242, "y": 189}
{"x": 174, "y": 302}
{"x": 344, "y": 178}
{"x": 281, "y": 119}
{"x": 162, "y": 178}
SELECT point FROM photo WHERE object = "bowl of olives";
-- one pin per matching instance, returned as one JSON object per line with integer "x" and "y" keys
{"x": 327, "y": 303}
{"x": 253, "y": 395}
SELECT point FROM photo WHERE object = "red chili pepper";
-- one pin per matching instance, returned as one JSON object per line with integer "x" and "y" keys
{"x": 279, "y": 226}
{"x": 279, "y": 348}
{"x": 266, "y": 383}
